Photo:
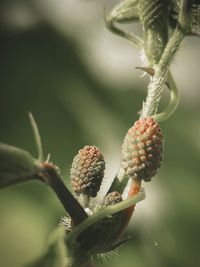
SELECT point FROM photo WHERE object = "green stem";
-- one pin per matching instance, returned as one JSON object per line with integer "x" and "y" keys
{"x": 185, "y": 15}
{"x": 109, "y": 21}
{"x": 173, "y": 103}
{"x": 84, "y": 200}
{"x": 161, "y": 72}
{"x": 120, "y": 182}
{"x": 71, "y": 205}
{"x": 72, "y": 237}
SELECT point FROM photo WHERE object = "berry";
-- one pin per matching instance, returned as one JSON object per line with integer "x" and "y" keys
{"x": 142, "y": 149}
{"x": 87, "y": 171}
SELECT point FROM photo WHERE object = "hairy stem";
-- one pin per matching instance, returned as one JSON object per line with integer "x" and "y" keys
{"x": 162, "y": 68}
{"x": 173, "y": 102}
{"x": 161, "y": 72}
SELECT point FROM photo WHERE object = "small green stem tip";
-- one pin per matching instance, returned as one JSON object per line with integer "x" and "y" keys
{"x": 37, "y": 136}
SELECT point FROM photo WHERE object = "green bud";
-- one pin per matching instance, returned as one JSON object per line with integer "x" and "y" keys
{"x": 87, "y": 171}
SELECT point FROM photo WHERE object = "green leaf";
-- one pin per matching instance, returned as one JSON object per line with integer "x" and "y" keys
{"x": 56, "y": 253}
{"x": 16, "y": 166}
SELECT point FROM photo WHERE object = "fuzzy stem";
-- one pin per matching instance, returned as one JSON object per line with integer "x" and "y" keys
{"x": 71, "y": 205}
{"x": 161, "y": 72}
{"x": 173, "y": 103}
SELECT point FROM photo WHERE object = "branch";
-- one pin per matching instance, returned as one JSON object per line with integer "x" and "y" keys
{"x": 158, "y": 81}
{"x": 71, "y": 205}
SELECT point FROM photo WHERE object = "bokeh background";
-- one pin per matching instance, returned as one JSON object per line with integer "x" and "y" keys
{"x": 80, "y": 82}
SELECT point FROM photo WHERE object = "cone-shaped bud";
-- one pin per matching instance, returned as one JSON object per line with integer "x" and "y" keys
{"x": 87, "y": 171}
{"x": 112, "y": 198}
{"x": 142, "y": 149}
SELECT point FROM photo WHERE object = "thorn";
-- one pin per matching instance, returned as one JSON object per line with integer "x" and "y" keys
{"x": 148, "y": 70}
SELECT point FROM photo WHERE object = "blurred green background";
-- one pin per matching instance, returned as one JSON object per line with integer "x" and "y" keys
{"x": 59, "y": 62}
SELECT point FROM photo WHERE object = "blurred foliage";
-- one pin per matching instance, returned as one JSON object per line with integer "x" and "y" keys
{"x": 42, "y": 72}
{"x": 55, "y": 254}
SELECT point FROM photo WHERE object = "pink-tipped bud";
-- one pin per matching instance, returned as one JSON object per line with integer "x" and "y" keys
{"x": 142, "y": 149}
